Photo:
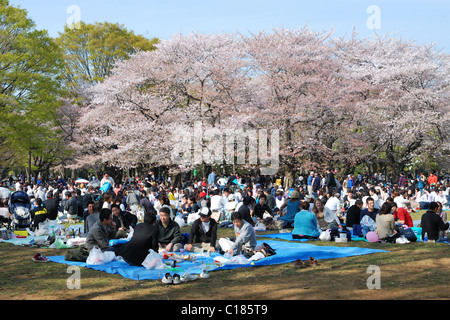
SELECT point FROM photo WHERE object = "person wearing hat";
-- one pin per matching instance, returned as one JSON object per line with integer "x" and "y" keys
{"x": 202, "y": 202}
{"x": 203, "y": 235}
{"x": 292, "y": 207}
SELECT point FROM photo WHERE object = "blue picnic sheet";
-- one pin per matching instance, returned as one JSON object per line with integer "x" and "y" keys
{"x": 286, "y": 252}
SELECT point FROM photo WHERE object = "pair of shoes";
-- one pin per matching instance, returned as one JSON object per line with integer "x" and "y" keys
{"x": 38, "y": 257}
{"x": 168, "y": 279}
{"x": 177, "y": 279}
{"x": 311, "y": 262}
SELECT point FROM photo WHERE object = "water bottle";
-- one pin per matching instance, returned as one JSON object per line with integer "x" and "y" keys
{"x": 425, "y": 237}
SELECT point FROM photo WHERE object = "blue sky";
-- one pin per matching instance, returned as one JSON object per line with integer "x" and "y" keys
{"x": 424, "y": 21}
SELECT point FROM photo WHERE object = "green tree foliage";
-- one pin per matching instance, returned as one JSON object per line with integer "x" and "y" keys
{"x": 91, "y": 50}
{"x": 31, "y": 66}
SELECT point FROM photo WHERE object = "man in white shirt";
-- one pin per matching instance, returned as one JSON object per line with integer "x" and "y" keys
{"x": 106, "y": 178}
{"x": 217, "y": 201}
{"x": 334, "y": 204}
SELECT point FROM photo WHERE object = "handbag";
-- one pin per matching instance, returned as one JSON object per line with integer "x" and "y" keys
{"x": 216, "y": 215}
{"x": 409, "y": 234}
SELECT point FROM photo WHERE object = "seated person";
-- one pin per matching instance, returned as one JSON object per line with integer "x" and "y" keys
{"x": 4, "y": 211}
{"x": 245, "y": 235}
{"x": 52, "y": 205}
{"x": 144, "y": 238}
{"x": 370, "y": 211}
{"x": 169, "y": 235}
{"x": 292, "y": 207}
{"x": 401, "y": 215}
{"x": 203, "y": 235}
{"x": 123, "y": 221}
{"x": 432, "y": 223}
{"x": 353, "y": 214}
{"x": 385, "y": 222}
{"x": 193, "y": 206}
{"x": 38, "y": 214}
{"x": 305, "y": 224}
{"x": 247, "y": 203}
{"x": 261, "y": 207}
{"x": 93, "y": 213}
{"x": 102, "y": 231}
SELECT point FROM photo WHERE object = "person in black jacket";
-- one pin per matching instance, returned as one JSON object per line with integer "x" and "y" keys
{"x": 123, "y": 220}
{"x": 330, "y": 181}
{"x": 144, "y": 238}
{"x": 432, "y": 223}
{"x": 353, "y": 214}
{"x": 203, "y": 235}
{"x": 52, "y": 205}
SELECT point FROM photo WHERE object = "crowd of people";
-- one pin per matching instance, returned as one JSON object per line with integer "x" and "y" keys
{"x": 154, "y": 210}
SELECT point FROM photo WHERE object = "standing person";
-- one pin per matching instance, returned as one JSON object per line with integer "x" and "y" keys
{"x": 316, "y": 182}
{"x": 203, "y": 235}
{"x": 169, "y": 235}
{"x": 212, "y": 179}
{"x": 432, "y": 179}
{"x": 330, "y": 181}
{"x": 144, "y": 238}
{"x": 309, "y": 182}
{"x": 106, "y": 178}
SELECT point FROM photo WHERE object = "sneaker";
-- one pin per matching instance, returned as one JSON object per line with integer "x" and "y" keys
{"x": 188, "y": 277}
{"x": 176, "y": 279}
{"x": 38, "y": 257}
{"x": 204, "y": 274}
{"x": 167, "y": 278}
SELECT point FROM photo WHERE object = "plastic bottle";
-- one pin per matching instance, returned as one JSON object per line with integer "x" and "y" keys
{"x": 425, "y": 237}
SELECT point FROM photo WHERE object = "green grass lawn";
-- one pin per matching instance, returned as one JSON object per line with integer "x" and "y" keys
{"x": 407, "y": 271}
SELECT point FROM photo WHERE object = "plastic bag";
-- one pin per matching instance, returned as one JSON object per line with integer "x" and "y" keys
{"x": 153, "y": 261}
{"x": 180, "y": 221}
{"x": 260, "y": 226}
{"x": 59, "y": 244}
{"x": 226, "y": 244}
{"x": 325, "y": 236}
{"x": 97, "y": 257}
{"x": 130, "y": 234}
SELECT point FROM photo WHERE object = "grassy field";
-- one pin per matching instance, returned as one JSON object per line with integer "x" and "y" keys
{"x": 408, "y": 271}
